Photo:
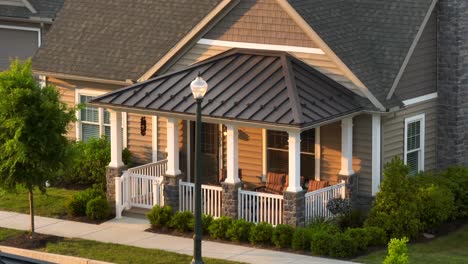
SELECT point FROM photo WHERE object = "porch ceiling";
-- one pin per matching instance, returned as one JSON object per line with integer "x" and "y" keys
{"x": 245, "y": 85}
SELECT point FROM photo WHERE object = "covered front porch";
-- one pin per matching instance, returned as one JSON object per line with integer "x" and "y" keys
{"x": 277, "y": 139}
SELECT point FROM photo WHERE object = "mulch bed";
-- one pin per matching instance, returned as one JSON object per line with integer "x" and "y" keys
{"x": 23, "y": 241}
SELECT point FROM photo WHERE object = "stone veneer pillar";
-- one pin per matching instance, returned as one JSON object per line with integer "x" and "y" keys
{"x": 452, "y": 127}
{"x": 294, "y": 208}
{"x": 171, "y": 191}
{"x": 231, "y": 199}
{"x": 111, "y": 173}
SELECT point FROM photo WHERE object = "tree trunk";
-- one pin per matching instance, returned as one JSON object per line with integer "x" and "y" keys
{"x": 31, "y": 212}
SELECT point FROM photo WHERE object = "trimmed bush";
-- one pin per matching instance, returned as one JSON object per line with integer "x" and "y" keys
{"x": 98, "y": 209}
{"x": 320, "y": 243}
{"x": 206, "y": 222}
{"x": 342, "y": 246}
{"x": 353, "y": 219}
{"x": 239, "y": 230}
{"x": 377, "y": 236}
{"x": 397, "y": 252}
{"x": 76, "y": 206}
{"x": 261, "y": 234}
{"x": 301, "y": 238}
{"x": 282, "y": 236}
{"x": 359, "y": 235}
{"x": 218, "y": 227}
{"x": 181, "y": 221}
{"x": 321, "y": 224}
{"x": 160, "y": 216}
{"x": 396, "y": 205}
{"x": 456, "y": 179}
{"x": 436, "y": 205}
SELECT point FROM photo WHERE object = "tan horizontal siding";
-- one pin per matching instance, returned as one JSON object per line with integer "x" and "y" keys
{"x": 260, "y": 21}
{"x": 330, "y": 160}
{"x": 362, "y": 152}
{"x": 162, "y": 137}
{"x": 393, "y": 129}
{"x": 140, "y": 146}
{"x": 250, "y": 154}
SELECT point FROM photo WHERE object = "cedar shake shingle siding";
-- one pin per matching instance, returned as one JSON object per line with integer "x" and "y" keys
{"x": 260, "y": 21}
{"x": 420, "y": 76}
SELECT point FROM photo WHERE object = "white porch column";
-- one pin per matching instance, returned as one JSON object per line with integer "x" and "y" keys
{"x": 376, "y": 152}
{"x": 294, "y": 162}
{"x": 173, "y": 147}
{"x": 116, "y": 139}
{"x": 154, "y": 137}
{"x": 232, "y": 139}
{"x": 347, "y": 147}
{"x": 317, "y": 154}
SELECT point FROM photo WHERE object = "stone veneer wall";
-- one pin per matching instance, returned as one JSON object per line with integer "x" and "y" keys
{"x": 452, "y": 83}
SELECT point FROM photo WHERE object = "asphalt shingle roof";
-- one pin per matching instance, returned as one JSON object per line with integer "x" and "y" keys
{"x": 118, "y": 39}
{"x": 372, "y": 37}
{"x": 45, "y": 9}
{"x": 248, "y": 85}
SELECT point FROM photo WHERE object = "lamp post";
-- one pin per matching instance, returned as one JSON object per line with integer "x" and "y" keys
{"x": 199, "y": 88}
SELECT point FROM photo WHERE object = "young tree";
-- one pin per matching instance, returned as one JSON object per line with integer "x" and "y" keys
{"x": 33, "y": 123}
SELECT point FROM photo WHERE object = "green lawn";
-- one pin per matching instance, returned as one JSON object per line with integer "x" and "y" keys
{"x": 50, "y": 204}
{"x": 452, "y": 249}
{"x": 110, "y": 252}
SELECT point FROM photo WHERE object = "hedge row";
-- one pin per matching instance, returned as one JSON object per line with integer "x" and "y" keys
{"x": 321, "y": 238}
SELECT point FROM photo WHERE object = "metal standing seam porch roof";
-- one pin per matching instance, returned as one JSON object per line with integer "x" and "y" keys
{"x": 246, "y": 85}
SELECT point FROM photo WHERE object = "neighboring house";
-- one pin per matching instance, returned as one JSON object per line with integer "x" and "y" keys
{"x": 317, "y": 90}
{"x": 23, "y": 27}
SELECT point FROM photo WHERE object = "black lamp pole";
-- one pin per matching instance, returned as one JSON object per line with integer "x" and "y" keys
{"x": 197, "y": 238}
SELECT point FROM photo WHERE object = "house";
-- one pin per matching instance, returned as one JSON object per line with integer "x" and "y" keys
{"x": 23, "y": 27}
{"x": 300, "y": 93}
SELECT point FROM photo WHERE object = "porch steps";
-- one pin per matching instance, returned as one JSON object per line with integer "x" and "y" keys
{"x": 136, "y": 213}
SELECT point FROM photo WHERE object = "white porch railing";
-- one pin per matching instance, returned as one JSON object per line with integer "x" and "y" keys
{"x": 316, "y": 201}
{"x": 136, "y": 189}
{"x": 212, "y": 199}
{"x": 259, "y": 207}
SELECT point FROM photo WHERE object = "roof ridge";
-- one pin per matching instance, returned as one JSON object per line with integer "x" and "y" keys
{"x": 294, "y": 100}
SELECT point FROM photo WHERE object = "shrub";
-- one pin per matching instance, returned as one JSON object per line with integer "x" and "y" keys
{"x": 282, "y": 236}
{"x": 160, "y": 216}
{"x": 239, "y": 230}
{"x": 322, "y": 224}
{"x": 87, "y": 162}
{"x": 320, "y": 243}
{"x": 218, "y": 227}
{"x": 377, "y": 236}
{"x": 97, "y": 209}
{"x": 76, "y": 205}
{"x": 436, "y": 205}
{"x": 342, "y": 246}
{"x": 359, "y": 235}
{"x": 261, "y": 234}
{"x": 456, "y": 179}
{"x": 353, "y": 219}
{"x": 395, "y": 208}
{"x": 206, "y": 222}
{"x": 339, "y": 206}
{"x": 397, "y": 252}
{"x": 301, "y": 238}
{"x": 181, "y": 221}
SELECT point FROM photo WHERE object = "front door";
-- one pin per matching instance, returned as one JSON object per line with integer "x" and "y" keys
{"x": 209, "y": 152}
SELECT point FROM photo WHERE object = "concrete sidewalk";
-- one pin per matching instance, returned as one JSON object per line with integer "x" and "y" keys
{"x": 130, "y": 231}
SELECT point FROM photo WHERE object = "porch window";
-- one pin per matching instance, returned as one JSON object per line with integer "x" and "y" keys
{"x": 414, "y": 143}
{"x": 94, "y": 122}
{"x": 277, "y": 152}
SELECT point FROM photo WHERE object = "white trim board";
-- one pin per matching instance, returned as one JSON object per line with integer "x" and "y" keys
{"x": 258, "y": 46}
{"x": 38, "y": 30}
{"x": 420, "y": 99}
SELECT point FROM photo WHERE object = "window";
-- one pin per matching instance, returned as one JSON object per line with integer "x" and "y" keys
{"x": 414, "y": 143}
{"x": 278, "y": 157}
{"x": 94, "y": 122}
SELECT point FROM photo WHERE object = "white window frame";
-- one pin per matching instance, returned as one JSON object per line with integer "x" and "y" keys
{"x": 422, "y": 119}
{"x": 94, "y": 93}
{"x": 38, "y": 30}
